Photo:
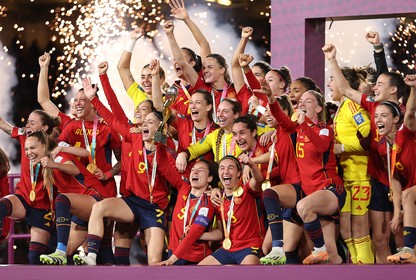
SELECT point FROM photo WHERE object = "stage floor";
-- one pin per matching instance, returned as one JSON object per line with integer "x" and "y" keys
{"x": 286, "y": 272}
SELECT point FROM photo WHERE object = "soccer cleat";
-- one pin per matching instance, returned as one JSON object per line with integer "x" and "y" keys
{"x": 406, "y": 255}
{"x": 56, "y": 258}
{"x": 83, "y": 260}
{"x": 317, "y": 257}
{"x": 274, "y": 258}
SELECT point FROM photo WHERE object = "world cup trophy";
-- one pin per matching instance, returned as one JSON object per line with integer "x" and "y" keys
{"x": 161, "y": 133}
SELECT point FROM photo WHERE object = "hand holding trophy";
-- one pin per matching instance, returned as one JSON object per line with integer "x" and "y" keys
{"x": 161, "y": 133}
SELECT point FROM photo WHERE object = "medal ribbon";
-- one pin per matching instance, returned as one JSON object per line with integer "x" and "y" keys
{"x": 207, "y": 128}
{"x": 185, "y": 218}
{"x": 187, "y": 96}
{"x": 224, "y": 146}
{"x": 227, "y": 228}
{"x": 224, "y": 92}
{"x": 186, "y": 92}
{"x": 34, "y": 175}
{"x": 270, "y": 166}
{"x": 391, "y": 162}
{"x": 91, "y": 149}
{"x": 214, "y": 111}
{"x": 151, "y": 180}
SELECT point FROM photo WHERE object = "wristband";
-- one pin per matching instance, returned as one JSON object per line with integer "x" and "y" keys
{"x": 378, "y": 47}
{"x": 261, "y": 109}
{"x": 130, "y": 45}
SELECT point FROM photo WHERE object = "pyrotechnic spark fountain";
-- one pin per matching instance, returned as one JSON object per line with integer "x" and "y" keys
{"x": 84, "y": 28}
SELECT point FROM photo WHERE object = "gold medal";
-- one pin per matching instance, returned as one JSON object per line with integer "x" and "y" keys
{"x": 32, "y": 195}
{"x": 92, "y": 167}
{"x": 390, "y": 195}
{"x": 238, "y": 192}
{"x": 266, "y": 185}
{"x": 294, "y": 117}
{"x": 226, "y": 243}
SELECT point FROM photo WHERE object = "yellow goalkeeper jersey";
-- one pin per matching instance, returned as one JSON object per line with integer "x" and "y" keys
{"x": 349, "y": 119}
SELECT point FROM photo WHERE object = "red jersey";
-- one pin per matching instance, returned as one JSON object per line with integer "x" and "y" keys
{"x": 405, "y": 147}
{"x": 406, "y": 151}
{"x": 375, "y": 164}
{"x": 198, "y": 217}
{"x": 24, "y": 186}
{"x": 83, "y": 183}
{"x": 243, "y": 97}
{"x": 187, "y": 135}
{"x": 119, "y": 112}
{"x": 65, "y": 119}
{"x": 138, "y": 178}
{"x": 247, "y": 229}
{"x": 181, "y": 104}
{"x": 314, "y": 152}
{"x": 287, "y": 167}
{"x": 106, "y": 141}
{"x": 218, "y": 93}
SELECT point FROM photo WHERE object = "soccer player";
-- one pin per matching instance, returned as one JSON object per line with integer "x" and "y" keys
{"x": 351, "y": 120}
{"x": 31, "y": 200}
{"x": 146, "y": 192}
{"x": 402, "y": 147}
{"x": 193, "y": 213}
{"x": 215, "y": 77}
{"x": 181, "y": 105}
{"x": 220, "y": 141}
{"x": 242, "y": 230}
{"x": 389, "y": 87}
{"x": 324, "y": 190}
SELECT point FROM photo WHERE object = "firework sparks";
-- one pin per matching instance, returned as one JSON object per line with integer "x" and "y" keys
{"x": 84, "y": 28}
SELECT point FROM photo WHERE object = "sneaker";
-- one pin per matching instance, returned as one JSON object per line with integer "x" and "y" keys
{"x": 56, "y": 258}
{"x": 84, "y": 260}
{"x": 274, "y": 258}
{"x": 406, "y": 255}
{"x": 317, "y": 257}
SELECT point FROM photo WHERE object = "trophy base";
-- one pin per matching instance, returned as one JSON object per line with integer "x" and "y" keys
{"x": 160, "y": 138}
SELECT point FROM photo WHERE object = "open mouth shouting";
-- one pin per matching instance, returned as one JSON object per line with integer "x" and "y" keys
{"x": 381, "y": 128}
{"x": 243, "y": 145}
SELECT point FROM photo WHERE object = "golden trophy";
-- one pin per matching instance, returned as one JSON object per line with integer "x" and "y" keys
{"x": 170, "y": 97}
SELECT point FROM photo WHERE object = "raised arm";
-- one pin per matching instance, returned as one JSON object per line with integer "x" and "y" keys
{"x": 125, "y": 59}
{"x": 157, "y": 96}
{"x": 5, "y": 126}
{"x": 410, "y": 116}
{"x": 379, "y": 55}
{"x": 121, "y": 128}
{"x": 110, "y": 94}
{"x": 190, "y": 73}
{"x": 237, "y": 74}
{"x": 43, "y": 87}
{"x": 340, "y": 81}
{"x": 179, "y": 11}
